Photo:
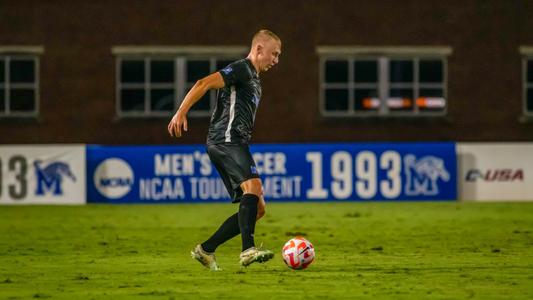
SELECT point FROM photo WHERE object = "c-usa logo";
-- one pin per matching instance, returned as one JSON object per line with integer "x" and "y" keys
{"x": 422, "y": 175}
{"x": 50, "y": 177}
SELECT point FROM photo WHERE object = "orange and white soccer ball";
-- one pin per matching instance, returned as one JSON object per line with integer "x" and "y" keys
{"x": 298, "y": 253}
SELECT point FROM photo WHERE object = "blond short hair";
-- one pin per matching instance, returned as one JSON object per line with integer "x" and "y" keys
{"x": 264, "y": 33}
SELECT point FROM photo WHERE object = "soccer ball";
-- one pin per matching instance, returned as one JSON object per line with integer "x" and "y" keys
{"x": 298, "y": 253}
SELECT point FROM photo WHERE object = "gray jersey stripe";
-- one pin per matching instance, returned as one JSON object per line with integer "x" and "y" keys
{"x": 232, "y": 98}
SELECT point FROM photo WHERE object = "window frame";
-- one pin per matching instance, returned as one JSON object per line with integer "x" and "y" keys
{"x": 383, "y": 56}
{"x": 179, "y": 55}
{"x": 527, "y": 55}
{"x": 7, "y": 54}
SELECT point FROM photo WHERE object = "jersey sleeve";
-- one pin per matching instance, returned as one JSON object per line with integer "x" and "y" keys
{"x": 236, "y": 73}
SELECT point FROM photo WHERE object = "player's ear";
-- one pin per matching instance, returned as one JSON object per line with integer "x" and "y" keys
{"x": 259, "y": 48}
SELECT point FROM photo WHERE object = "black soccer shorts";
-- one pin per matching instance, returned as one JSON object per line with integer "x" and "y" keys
{"x": 235, "y": 165}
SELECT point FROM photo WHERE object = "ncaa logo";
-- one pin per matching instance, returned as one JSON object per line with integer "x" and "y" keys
{"x": 113, "y": 178}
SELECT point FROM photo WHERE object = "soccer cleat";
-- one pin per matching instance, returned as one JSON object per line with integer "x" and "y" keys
{"x": 205, "y": 258}
{"x": 253, "y": 254}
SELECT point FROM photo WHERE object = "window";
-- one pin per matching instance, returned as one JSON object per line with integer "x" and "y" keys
{"x": 528, "y": 84}
{"x": 383, "y": 81}
{"x": 19, "y": 87}
{"x": 151, "y": 85}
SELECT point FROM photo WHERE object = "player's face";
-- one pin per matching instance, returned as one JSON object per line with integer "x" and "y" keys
{"x": 269, "y": 54}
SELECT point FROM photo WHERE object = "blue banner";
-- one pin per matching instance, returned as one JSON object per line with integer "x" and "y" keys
{"x": 289, "y": 172}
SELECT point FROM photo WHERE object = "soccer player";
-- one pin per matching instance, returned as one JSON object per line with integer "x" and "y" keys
{"x": 230, "y": 130}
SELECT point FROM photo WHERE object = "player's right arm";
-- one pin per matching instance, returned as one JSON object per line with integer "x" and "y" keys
{"x": 179, "y": 120}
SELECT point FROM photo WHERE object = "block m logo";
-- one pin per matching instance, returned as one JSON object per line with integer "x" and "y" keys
{"x": 422, "y": 175}
{"x": 50, "y": 178}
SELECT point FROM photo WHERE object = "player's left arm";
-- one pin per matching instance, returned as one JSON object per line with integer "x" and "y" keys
{"x": 179, "y": 120}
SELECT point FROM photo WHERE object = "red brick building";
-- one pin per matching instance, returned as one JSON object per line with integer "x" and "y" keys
{"x": 108, "y": 72}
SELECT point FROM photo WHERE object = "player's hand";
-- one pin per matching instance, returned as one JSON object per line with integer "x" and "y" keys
{"x": 179, "y": 121}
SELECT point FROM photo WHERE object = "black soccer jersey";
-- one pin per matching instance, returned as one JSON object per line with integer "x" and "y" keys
{"x": 237, "y": 102}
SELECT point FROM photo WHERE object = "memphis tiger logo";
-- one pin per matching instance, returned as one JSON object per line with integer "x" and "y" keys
{"x": 227, "y": 70}
{"x": 50, "y": 177}
{"x": 253, "y": 170}
{"x": 422, "y": 175}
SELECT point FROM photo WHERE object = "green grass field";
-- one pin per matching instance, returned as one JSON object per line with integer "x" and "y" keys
{"x": 364, "y": 250}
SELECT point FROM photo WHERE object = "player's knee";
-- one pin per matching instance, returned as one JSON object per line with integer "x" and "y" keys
{"x": 252, "y": 186}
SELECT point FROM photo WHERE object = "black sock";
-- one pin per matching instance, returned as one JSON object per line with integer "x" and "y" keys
{"x": 225, "y": 232}
{"x": 247, "y": 218}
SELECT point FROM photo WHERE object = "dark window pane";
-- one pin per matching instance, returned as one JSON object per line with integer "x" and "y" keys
{"x": 400, "y": 99}
{"x": 162, "y": 71}
{"x": 366, "y": 99}
{"x": 132, "y": 71}
{"x": 204, "y": 104}
{"x": 401, "y": 71}
{"x": 431, "y": 93}
{"x": 431, "y": 100}
{"x": 162, "y": 100}
{"x": 2, "y": 101}
{"x": 22, "y": 71}
{"x": 22, "y": 100}
{"x": 2, "y": 71}
{"x": 366, "y": 71}
{"x": 197, "y": 69}
{"x": 431, "y": 71}
{"x": 336, "y": 71}
{"x": 529, "y": 104}
{"x": 530, "y": 71}
{"x": 221, "y": 64}
{"x": 336, "y": 99}
{"x": 132, "y": 100}
{"x": 406, "y": 93}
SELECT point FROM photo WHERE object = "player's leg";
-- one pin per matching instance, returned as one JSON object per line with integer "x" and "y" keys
{"x": 251, "y": 208}
{"x": 227, "y": 230}
{"x": 238, "y": 171}
{"x": 230, "y": 227}
{"x": 248, "y": 210}
{"x": 242, "y": 172}
{"x": 204, "y": 252}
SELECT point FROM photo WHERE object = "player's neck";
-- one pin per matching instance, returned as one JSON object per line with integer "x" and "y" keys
{"x": 254, "y": 61}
